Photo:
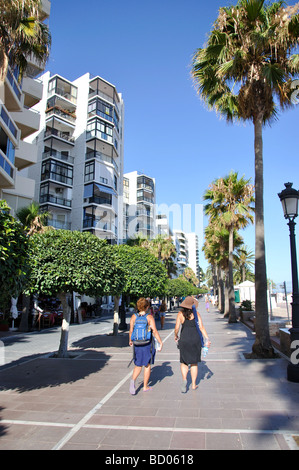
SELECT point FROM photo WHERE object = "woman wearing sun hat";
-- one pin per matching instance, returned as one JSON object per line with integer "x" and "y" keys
{"x": 190, "y": 341}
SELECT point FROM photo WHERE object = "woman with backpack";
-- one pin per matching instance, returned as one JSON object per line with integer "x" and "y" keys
{"x": 142, "y": 330}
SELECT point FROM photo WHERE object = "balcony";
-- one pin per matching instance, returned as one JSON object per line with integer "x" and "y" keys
{"x": 59, "y": 225}
{"x": 102, "y": 157}
{"x": 27, "y": 121}
{"x": 6, "y": 172}
{"x": 13, "y": 92}
{"x": 25, "y": 155}
{"x": 51, "y": 199}
{"x": 89, "y": 222}
{"x": 61, "y": 113}
{"x": 33, "y": 91}
{"x": 61, "y": 135}
{"x": 9, "y": 124}
{"x": 45, "y": 9}
{"x": 58, "y": 155}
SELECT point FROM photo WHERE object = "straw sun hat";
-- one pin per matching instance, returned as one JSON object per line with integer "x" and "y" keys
{"x": 188, "y": 302}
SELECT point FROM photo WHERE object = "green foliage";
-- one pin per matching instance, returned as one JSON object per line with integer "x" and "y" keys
{"x": 65, "y": 261}
{"x": 246, "y": 306}
{"x": 180, "y": 287}
{"x": 144, "y": 274}
{"x": 13, "y": 256}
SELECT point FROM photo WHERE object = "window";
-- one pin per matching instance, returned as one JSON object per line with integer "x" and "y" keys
{"x": 97, "y": 194}
{"x": 99, "y": 129}
{"x": 89, "y": 171}
{"x": 7, "y": 146}
{"x": 57, "y": 171}
{"x": 101, "y": 108}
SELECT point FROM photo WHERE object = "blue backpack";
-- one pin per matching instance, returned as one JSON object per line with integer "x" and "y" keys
{"x": 142, "y": 334}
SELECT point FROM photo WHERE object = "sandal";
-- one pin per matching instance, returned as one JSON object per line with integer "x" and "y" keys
{"x": 132, "y": 387}
{"x": 184, "y": 386}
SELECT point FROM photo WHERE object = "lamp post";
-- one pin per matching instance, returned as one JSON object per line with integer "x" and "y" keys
{"x": 289, "y": 200}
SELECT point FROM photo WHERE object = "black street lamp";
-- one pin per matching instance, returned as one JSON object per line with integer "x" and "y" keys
{"x": 289, "y": 199}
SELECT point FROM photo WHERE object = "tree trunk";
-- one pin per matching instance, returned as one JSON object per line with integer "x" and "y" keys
{"x": 63, "y": 347}
{"x": 24, "y": 327}
{"x": 231, "y": 293}
{"x": 226, "y": 297}
{"x": 116, "y": 315}
{"x": 262, "y": 346}
{"x": 220, "y": 291}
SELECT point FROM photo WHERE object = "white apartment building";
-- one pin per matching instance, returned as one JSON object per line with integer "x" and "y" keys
{"x": 79, "y": 169}
{"x": 139, "y": 205}
{"x": 19, "y": 120}
{"x": 193, "y": 253}
{"x": 162, "y": 225}
{"x": 187, "y": 249}
{"x": 181, "y": 245}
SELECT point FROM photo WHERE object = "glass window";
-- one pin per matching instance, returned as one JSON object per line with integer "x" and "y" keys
{"x": 89, "y": 171}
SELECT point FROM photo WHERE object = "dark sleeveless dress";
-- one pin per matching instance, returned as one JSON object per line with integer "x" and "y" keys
{"x": 190, "y": 344}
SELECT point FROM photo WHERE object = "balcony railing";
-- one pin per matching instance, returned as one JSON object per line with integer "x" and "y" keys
{"x": 14, "y": 83}
{"x": 102, "y": 157}
{"x": 62, "y": 135}
{"x": 60, "y": 225}
{"x": 57, "y": 111}
{"x": 50, "y": 175}
{"x": 7, "y": 166}
{"x": 58, "y": 155}
{"x": 55, "y": 200}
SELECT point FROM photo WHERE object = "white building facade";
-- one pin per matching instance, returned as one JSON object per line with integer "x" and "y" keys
{"x": 139, "y": 205}
{"x": 181, "y": 245}
{"x": 193, "y": 253}
{"x": 79, "y": 169}
{"x": 18, "y": 120}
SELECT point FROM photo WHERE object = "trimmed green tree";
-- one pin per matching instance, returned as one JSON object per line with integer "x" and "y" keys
{"x": 63, "y": 262}
{"x": 13, "y": 256}
{"x": 144, "y": 274}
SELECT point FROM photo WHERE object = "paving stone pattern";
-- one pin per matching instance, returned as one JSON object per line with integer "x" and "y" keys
{"x": 84, "y": 403}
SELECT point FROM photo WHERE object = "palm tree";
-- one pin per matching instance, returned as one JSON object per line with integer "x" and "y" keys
{"x": 216, "y": 249}
{"x": 32, "y": 218}
{"x": 245, "y": 72}
{"x": 229, "y": 203}
{"x": 161, "y": 247}
{"x": 243, "y": 264}
{"x": 21, "y": 34}
{"x": 33, "y": 221}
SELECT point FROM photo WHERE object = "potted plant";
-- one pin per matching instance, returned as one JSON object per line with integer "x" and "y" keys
{"x": 246, "y": 310}
{"x": 4, "y": 325}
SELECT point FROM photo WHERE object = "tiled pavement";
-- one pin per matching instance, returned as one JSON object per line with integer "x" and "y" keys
{"x": 84, "y": 403}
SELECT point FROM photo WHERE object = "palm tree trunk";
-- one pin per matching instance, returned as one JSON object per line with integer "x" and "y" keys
{"x": 221, "y": 291}
{"x": 226, "y": 296}
{"x": 262, "y": 346}
{"x": 231, "y": 293}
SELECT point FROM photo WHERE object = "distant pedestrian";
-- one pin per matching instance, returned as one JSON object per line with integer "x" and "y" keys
{"x": 144, "y": 356}
{"x": 162, "y": 312}
{"x": 207, "y": 304}
{"x": 190, "y": 341}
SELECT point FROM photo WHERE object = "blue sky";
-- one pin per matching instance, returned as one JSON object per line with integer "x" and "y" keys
{"x": 145, "y": 49}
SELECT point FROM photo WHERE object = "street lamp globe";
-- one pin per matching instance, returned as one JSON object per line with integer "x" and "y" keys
{"x": 289, "y": 200}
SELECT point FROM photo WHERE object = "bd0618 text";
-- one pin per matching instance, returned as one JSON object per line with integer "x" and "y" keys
{"x": 168, "y": 459}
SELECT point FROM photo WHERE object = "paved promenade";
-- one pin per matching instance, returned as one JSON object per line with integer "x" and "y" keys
{"x": 84, "y": 403}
